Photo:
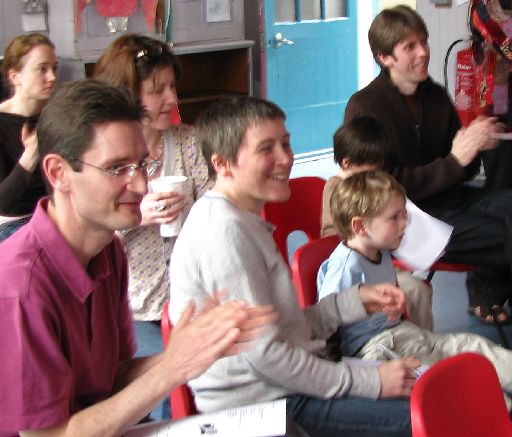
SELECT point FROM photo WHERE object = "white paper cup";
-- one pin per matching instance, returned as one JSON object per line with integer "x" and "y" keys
{"x": 168, "y": 184}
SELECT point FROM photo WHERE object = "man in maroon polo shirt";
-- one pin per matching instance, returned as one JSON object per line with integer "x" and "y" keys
{"x": 67, "y": 341}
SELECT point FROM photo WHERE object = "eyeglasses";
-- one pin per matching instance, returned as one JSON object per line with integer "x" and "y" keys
{"x": 147, "y": 167}
{"x": 153, "y": 51}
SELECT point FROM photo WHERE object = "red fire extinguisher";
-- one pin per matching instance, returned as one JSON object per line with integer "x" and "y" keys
{"x": 465, "y": 87}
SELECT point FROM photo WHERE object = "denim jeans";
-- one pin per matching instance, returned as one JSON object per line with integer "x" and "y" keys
{"x": 498, "y": 167}
{"x": 351, "y": 416}
{"x": 149, "y": 342}
{"x": 482, "y": 235}
{"x": 9, "y": 228}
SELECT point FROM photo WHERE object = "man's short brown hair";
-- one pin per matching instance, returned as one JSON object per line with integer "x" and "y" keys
{"x": 391, "y": 26}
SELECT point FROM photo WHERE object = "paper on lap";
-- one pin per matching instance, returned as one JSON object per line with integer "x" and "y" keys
{"x": 259, "y": 420}
{"x": 425, "y": 239}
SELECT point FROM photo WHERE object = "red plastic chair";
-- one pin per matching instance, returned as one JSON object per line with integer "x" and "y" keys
{"x": 175, "y": 115}
{"x": 459, "y": 396}
{"x": 438, "y": 266}
{"x": 301, "y": 212}
{"x": 305, "y": 264}
{"x": 182, "y": 400}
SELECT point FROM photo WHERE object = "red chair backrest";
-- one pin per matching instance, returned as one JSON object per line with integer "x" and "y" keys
{"x": 301, "y": 212}
{"x": 182, "y": 400}
{"x": 175, "y": 115}
{"x": 459, "y": 396}
{"x": 438, "y": 266}
{"x": 305, "y": 264}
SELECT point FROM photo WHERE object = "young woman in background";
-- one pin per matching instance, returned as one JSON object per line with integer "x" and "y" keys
{"x": 29, "y": 68}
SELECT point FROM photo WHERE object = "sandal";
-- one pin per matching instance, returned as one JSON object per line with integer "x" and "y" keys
{"x": 483, "y": 314}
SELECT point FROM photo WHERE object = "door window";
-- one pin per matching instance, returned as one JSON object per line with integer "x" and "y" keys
{"x": 335, "y": 9}
{"x": 310, "y": 9}
{"x": 295, "y": 10}
{"x": 285, "y": 10}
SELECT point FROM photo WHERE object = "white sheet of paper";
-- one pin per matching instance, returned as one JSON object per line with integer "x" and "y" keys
{"x": 424, "y": 240}
{"x": 218, "y": 10}
{"x": 259, "y": 420}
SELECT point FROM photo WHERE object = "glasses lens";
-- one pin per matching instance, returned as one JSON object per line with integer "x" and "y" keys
{"x": 132, "y": 169}
{"x": 123, "y": 171}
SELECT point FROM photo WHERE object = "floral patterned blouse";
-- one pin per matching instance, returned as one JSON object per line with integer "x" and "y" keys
{"x": 149, "y": 253}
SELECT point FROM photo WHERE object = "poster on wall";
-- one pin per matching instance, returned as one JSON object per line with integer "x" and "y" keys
{"x": 217, "y": 11}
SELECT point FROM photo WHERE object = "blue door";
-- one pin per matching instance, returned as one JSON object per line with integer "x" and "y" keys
{"x": 311, "y": 67}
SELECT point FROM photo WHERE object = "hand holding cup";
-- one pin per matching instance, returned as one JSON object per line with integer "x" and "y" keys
{"x": 161, "y": 208}
{"x": 164, "y": 205}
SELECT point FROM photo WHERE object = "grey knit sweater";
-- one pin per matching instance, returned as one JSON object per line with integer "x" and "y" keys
{"x": 222, "y": 247}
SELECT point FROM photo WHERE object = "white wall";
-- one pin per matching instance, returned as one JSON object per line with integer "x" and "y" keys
{"x": 445, "y": 25}
{"x": 11, "y": 22}
{"x": 366, "y": 70}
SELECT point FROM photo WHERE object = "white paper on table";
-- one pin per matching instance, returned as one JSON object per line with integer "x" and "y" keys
{"x": 259, "y": 420}
{"x": 424, "y": 240}
{"x": 218, "y": 10}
